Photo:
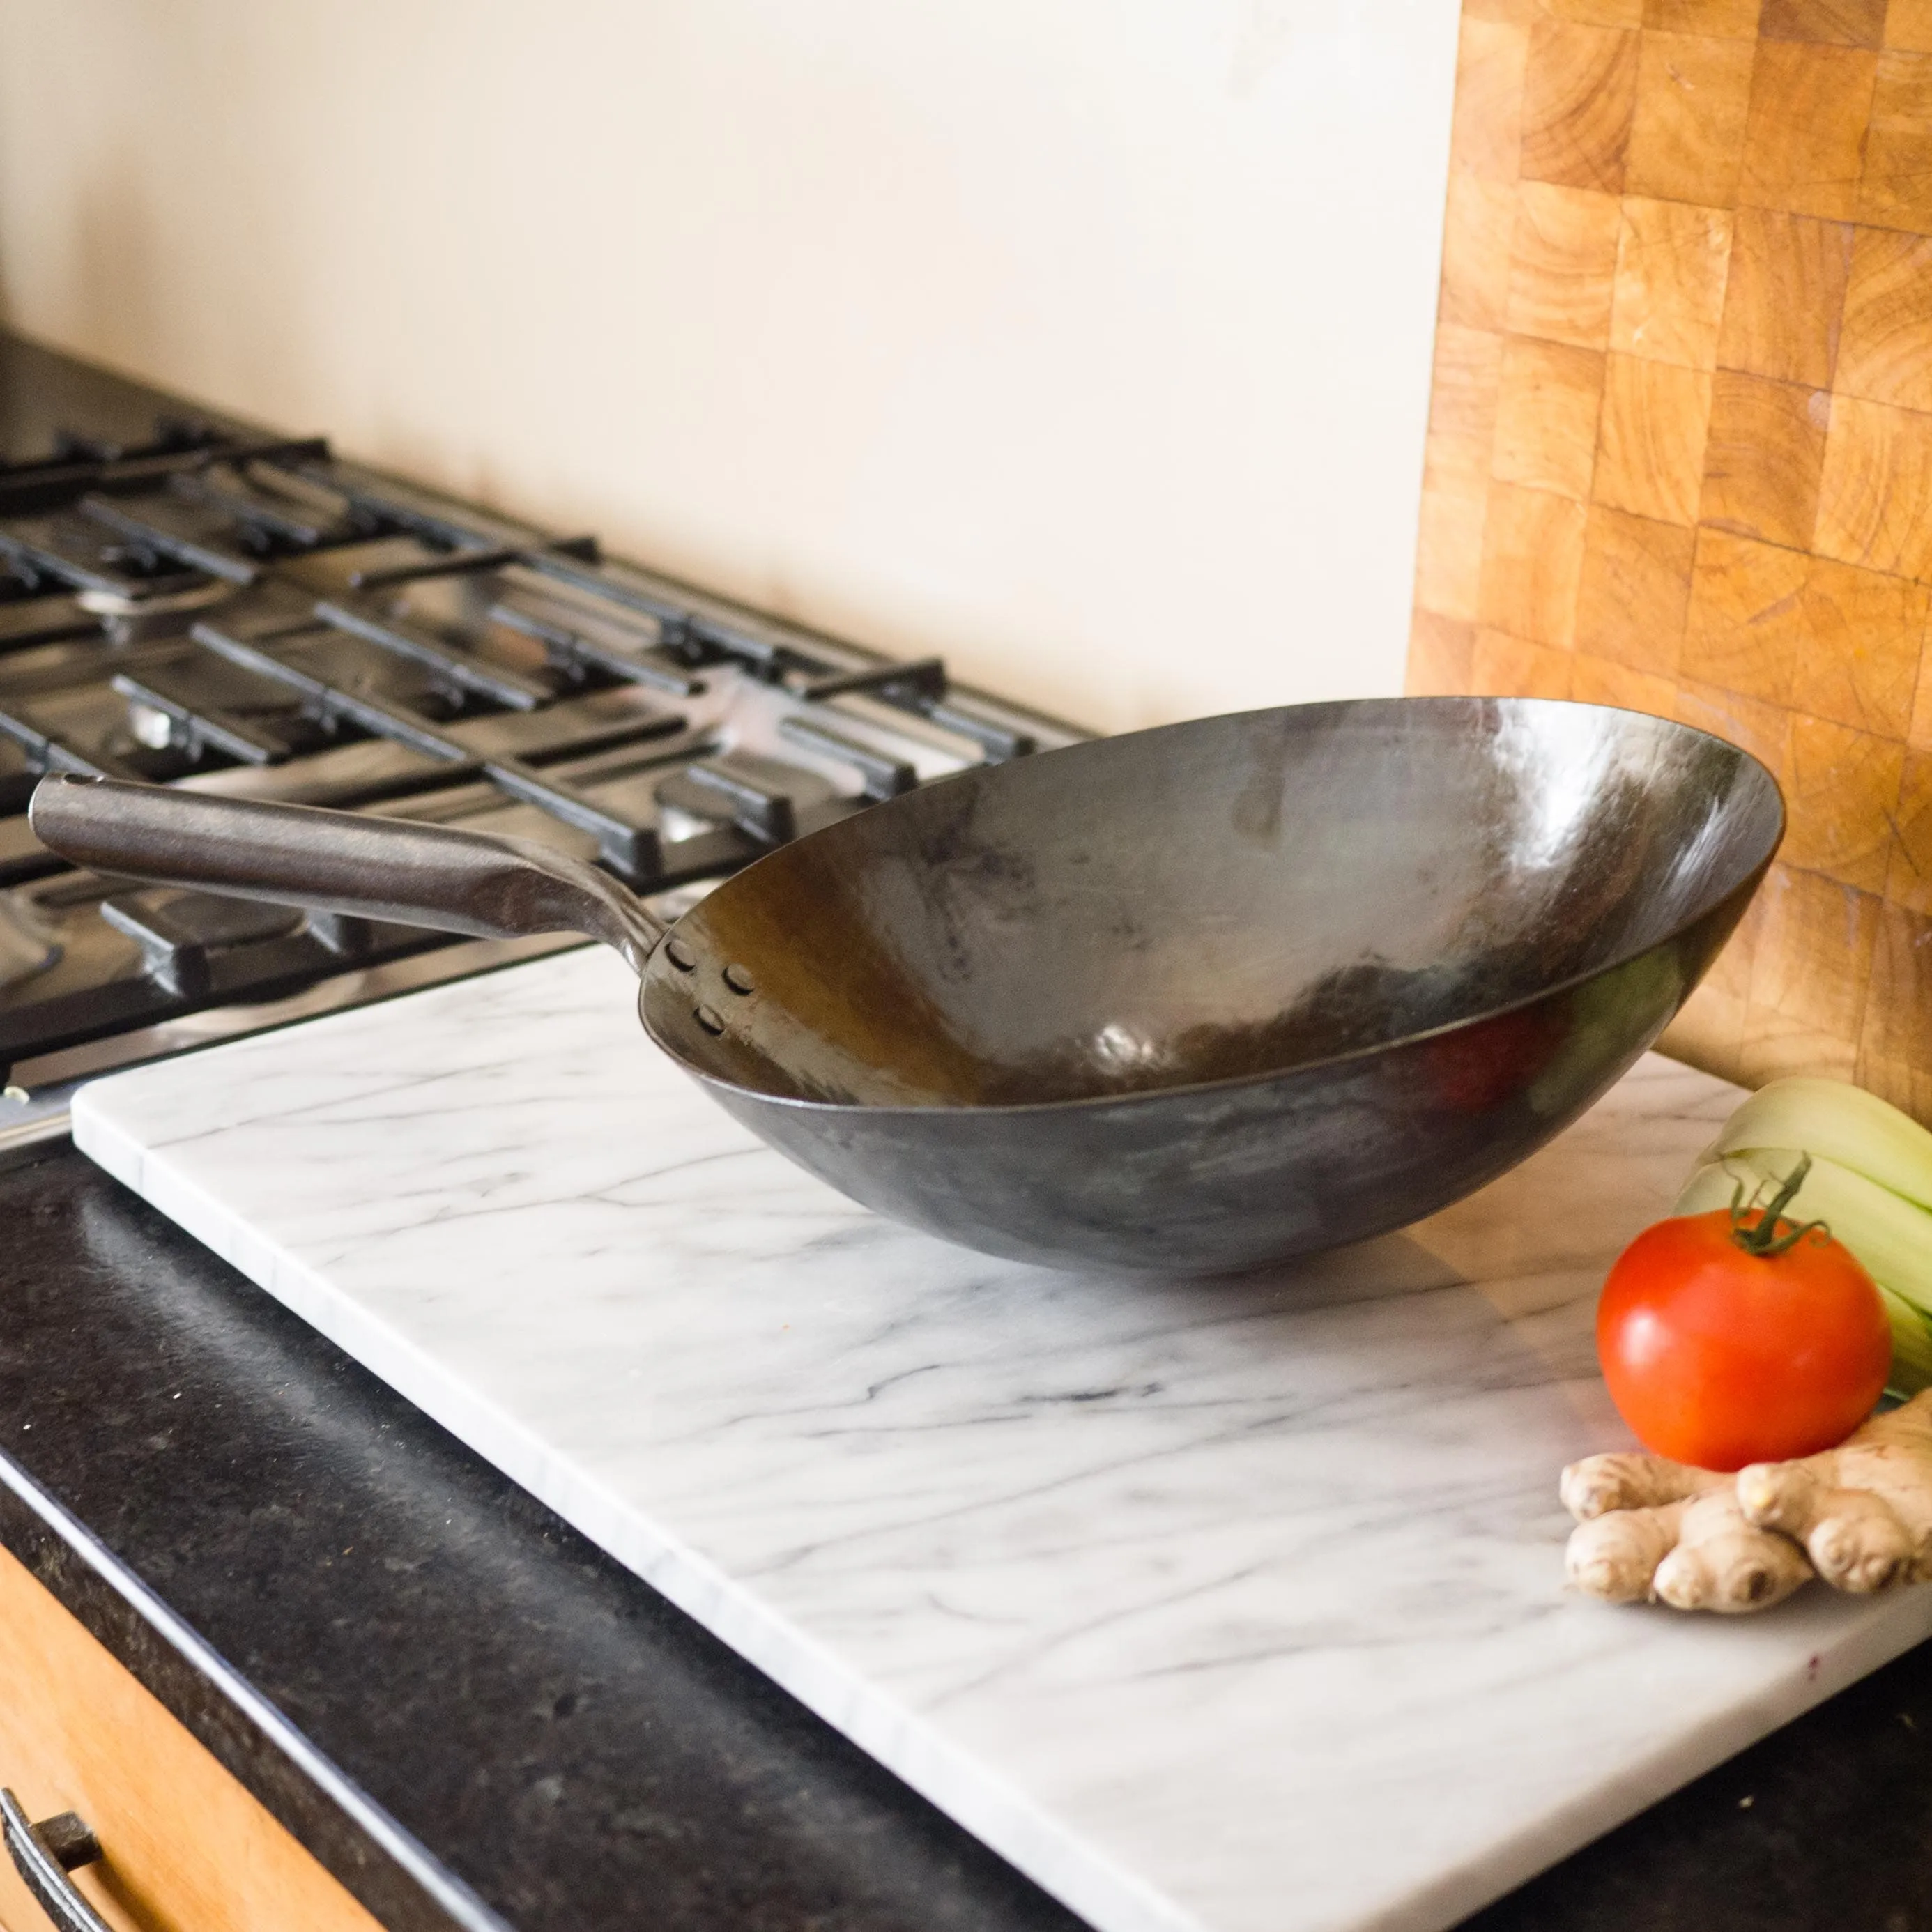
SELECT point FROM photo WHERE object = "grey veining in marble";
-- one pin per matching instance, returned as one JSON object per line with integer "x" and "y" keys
{"x": 1235, "y": 1606}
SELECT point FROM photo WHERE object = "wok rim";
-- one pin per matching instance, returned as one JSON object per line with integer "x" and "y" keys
{"x": 1748, "y": 884}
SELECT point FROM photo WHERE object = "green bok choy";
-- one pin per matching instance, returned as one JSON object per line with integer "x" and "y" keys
{"x": 1869, "y": 1181}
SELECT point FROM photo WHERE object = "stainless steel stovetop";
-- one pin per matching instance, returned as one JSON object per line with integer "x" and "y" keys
{"x": 189, "y": 603}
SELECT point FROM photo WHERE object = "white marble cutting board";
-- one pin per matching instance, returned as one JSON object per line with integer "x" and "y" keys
{"x": 1235, "y": 1606}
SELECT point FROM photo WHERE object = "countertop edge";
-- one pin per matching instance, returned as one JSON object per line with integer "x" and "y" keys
{"x": 382, "y": 1866}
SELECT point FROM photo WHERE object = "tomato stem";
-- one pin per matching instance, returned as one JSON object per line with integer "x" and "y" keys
{"x": 1761, "y": 1236}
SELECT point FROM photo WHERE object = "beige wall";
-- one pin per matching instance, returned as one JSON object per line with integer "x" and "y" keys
{"x": 1085, "y": 340}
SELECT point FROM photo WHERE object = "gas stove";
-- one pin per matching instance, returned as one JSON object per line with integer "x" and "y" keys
{"x": 199, "y": 606}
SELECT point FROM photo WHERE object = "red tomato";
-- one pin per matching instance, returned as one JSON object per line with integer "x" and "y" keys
{"x": 1718, "y": 1357}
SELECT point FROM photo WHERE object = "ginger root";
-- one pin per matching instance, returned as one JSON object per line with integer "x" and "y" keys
{"x": 1859, "y": 1516}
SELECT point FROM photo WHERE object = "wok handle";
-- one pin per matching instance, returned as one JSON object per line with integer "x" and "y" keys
{"x": 476, "y": 882}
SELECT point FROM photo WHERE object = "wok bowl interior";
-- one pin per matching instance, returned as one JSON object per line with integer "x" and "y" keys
{"x": 1230, "y": 898}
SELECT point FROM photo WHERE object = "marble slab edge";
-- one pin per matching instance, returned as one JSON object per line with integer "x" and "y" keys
{"x": 985, "y": 1805}
{"x": 979, "y": 1800}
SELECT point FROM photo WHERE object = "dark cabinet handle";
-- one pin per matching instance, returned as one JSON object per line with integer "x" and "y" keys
{"x": 43, "y": 1855}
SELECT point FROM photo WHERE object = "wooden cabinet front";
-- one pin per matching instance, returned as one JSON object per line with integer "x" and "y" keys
{"x": 184, "y": 1847}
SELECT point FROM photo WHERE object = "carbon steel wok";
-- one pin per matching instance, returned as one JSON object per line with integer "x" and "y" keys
{"x": 1192, "y": 999}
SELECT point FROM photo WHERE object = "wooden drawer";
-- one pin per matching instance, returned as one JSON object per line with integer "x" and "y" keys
{"x": 185, "y": 1848}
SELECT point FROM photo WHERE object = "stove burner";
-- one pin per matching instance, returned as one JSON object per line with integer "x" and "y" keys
{"x": 258, "y": 617}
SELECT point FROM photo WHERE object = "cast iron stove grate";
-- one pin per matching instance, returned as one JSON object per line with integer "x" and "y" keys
{"x": 258, "y": 617}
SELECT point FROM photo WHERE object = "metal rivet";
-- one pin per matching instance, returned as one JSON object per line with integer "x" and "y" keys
{"x": 679, "y": 955}
{"x": 710, "y": 1021}
{"x": 737, "y": 979}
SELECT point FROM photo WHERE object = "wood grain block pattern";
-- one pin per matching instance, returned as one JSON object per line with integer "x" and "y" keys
{"x": 1594, "y": 13}
{"x": 1764, "y": 453}
{"x": 1908, "y": 25}
{"x": 1594, "y": 680}
{"x": 1502, "y": 666}
{"x": 1478, "y": 227}
{"x": 1895, "y": 1056}
{"x": 1463, "y": 385}
{"x": 1563, "y": 264}
{"x": 1693, "y": 111}
{"x": 1918, "y": 732}
{"x": 1650, "y": 453}
{"x": 1727, "y": 19}
{"x": 1633, "y": 591}
{"x": 1805, "y": 141}
{"x": 1864, "y": 634}
{"x": 1579, "y": 93}
{"x": 1532, "y": 564}
{"x": 1746, "y": 629}
{"x": 1784, "y": 296}
{"x": 1875, "y": 493}
{"x": 1486, "y": 137}
{"x": 1441, "y": 656}
{"x": 1849, "y": 23}
{"x": 1885, "y": 343}
{"x": 1549, "y": 397}
{"x": 1680, "y": 455}
{"x": 1908, "y": 880}
{"x": 1763, "y": 729}
{"x": 1895, "y": 190}
{"x": 1843, "y": 786}
{"x": 1667, "y": 303}
{"x": 1449, "y": 545}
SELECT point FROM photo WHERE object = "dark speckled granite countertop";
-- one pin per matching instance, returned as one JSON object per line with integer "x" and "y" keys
{"x": 475, "y": 1718}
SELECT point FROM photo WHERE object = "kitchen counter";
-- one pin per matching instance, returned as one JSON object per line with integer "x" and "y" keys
{"x": 568, "y": 1745}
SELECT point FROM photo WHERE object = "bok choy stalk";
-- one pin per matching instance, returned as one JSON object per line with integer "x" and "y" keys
{"x": 1871, "y": 1181}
